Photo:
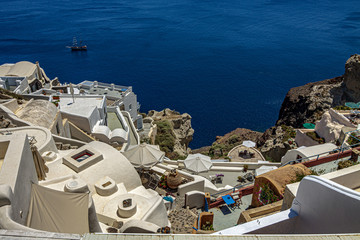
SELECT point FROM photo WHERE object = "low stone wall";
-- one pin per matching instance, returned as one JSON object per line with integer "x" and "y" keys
{"x": 196, "y": 185}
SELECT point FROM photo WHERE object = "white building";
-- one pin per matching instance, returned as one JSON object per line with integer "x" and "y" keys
{"x": 329, "y": 204}
{"x": 308, "y": 152}
{"x": 74, "y": 191}
{"x": 121, "y": 96}
{"x": 24, "y": 77}
{"x": 90, "y": 113}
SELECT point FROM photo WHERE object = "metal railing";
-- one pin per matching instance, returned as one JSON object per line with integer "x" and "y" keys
{"x": 231, "y": 190}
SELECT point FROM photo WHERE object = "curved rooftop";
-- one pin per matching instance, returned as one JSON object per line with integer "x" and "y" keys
{"x": 39, "y": 112}
{"x": 19, "y": 69}
{"x": 113, "y": 165}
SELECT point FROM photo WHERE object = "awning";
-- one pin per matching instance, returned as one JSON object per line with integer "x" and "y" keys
{"x": 56, "y": 211}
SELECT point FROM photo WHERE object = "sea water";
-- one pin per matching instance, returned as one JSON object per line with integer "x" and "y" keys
{"x": 227, "y": 63}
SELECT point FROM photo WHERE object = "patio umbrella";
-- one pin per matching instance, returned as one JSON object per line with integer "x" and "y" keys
{"x": 198, "y": 163}
{"x": 248, "y": 143}
{"x": 144, "y": 155}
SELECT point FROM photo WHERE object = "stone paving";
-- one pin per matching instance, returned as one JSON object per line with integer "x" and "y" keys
{"x": 182, "y": 219}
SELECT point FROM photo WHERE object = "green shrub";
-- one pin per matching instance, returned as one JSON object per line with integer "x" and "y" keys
{"x": 352, "y": 140}
{"x": 340, "y": 107}
{"x": 267, "y": 195}
{"x": 346, "y": 164}
{"x": 289, "y": 132}
{"x": 313, "y": 135}
{"x": 165, "y": 136}
{"x": 270, "y": 159}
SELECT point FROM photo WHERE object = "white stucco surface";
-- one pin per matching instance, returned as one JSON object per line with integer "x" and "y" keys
{"x": 305, "y": 152}
{"x": 114, "y": 165}
{"x": 43, "y": 138}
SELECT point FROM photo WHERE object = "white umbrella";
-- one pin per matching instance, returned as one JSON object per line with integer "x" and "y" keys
{"x": 249, "y": 144}
{"x": 198, "y": 162}
{"x": 144, "y": 155}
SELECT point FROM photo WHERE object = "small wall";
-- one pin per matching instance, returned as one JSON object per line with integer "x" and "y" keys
{"x": 57, "y": 126}
{"x": 347, "y": 177}
{"x": 302, "y": 139}
{"x": 12, "y": 105}
{"x": 82, "y": 122}
{"x": 259, "y": 212}
{"x": 196, "y": 185}
{"x": 7, "y": 113}
{"x": 195, "y": 199}
{"x": 340, "y": 118}
{"x": 18, "y": 171}
{"x": 78, "y": 134}
{"x": 333, "y": 209}
{"x": 157, "y": 214}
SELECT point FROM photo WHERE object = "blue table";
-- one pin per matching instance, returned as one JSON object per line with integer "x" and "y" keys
{"x": 228, "y": 200}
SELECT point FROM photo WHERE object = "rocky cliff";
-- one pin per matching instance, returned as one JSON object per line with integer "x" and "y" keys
{"x": 174, "y": 131}
{"x": 223, "y": 144}
{"x": 302, "y": 104}
{"x": 307, "y": 103}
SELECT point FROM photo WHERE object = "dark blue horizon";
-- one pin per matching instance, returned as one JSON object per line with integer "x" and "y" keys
{"x": 227, "y": 63}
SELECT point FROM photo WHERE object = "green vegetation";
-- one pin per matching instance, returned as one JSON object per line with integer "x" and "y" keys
{"x": 289, "y": 133}
{"x": 268, "y": 158}
{"x": 340, "y": 107}
{"x": 176, "y": 156}
{"x": 207, "y": 227}
{"x": 346, "y": 164}
{"x": 352, "y": 139}
{"x": 246, "y": 167}
{"x": 267, "y": 195}
{"x": 145, "y": 140}
{"x": 221, "y": 149}
{"x": 165, "y": 136}
{"x": 300, "y": 176}
{"x": 313, "y": 135}
{"x": 241, "y": 179}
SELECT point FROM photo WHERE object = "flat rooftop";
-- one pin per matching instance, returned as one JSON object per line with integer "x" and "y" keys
{"x": 81, "y": 104}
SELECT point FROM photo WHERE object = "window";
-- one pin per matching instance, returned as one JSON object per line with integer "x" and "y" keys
{"x": 83, "y": 156}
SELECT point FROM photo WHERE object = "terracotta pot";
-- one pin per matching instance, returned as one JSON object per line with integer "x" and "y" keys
{"x": 174, "y": 180}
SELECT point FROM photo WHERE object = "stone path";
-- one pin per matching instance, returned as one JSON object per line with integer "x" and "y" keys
{"x": 182, "y": 219}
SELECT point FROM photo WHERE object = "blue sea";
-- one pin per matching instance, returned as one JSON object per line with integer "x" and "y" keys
{"x": 227, "y": 63}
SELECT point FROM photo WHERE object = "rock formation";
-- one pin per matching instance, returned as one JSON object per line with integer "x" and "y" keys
{"x": 224, "y": 144}
{"x": 302, "y": 104}
{"x": 180, "y": 129}
{"x": 307, "y": 103}
{"x": 276, "y": 141}
{"x": 352, "y": 78}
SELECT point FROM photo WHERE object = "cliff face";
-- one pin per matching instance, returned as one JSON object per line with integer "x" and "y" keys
{"x": 302, "y": 104}
{"x": 224, "y": 144}
{"x": 307, "y": 103}
{"x": 174, "y": 130}
{"x": 352, "y": 79}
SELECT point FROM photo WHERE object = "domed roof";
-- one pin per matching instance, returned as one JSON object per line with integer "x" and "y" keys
{"x": 39, "y": 112}
{"x": 113, "y": 165}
